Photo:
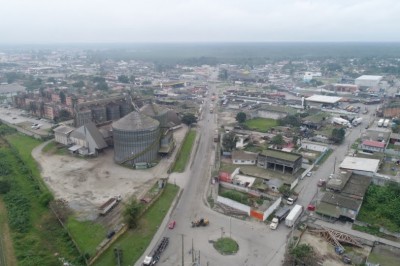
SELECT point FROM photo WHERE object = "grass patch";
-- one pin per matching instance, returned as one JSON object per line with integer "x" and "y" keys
{"x": 53, "y": 148}
{"x": 261, "y": 124}
{"x": 184, "y": 154}
{"x": 35, "y": 231}
{"x": 226, "y": 246}
{"x": 87, "y": 234}
{"x": 134, "y": 242}
{"x": 372, "y": 230}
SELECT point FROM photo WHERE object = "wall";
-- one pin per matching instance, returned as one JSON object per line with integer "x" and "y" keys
{"x": 269, "y": 114}
{"x": 272, "y": 208}
{"x": 234, "y": 204}
{"x": 313, "y": 146}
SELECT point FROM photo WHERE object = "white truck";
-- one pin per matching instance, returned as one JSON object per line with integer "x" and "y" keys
{"x": 357, "y": 121}
{"x": 386, "y": 123}
{"x": 109, "y": 204}
{"x": 340, "y": 121}
{"x": 293, "y": 215}
{"x": 279, "y": 216}
{"x": 380, "y": 122}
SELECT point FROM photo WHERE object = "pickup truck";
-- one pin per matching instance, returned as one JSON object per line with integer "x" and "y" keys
{"x": 292, "y": 199}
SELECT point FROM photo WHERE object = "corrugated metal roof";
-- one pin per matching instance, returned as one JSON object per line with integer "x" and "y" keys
{"x": 135, "y": 121}
{"x": 323, "y": 99}
{"x": 373, "y": 143}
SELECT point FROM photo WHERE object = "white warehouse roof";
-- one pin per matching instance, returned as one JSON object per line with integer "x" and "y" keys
{"x": 360, "y": 164}
{"x": 323, "y": 99}
{"x": 370, "y": 77}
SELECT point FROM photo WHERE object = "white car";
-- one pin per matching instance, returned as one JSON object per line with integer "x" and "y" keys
{"x": 309, "y": 174}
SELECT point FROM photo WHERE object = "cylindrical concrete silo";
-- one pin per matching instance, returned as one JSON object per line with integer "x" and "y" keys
{"x": 99, "y": 114}
{"x": 113, "y": 112}
{"x": 136, "y": 139}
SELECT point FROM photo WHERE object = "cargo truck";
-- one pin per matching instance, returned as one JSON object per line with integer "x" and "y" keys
{"x": 279, "y": 216}
{"x": 293, "y": 215}
{"x": 357, "y": 121}
{"x": 109, "y": 204}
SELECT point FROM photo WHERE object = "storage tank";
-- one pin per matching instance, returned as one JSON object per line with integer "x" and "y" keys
{"x": 157, "y": 112}
{"x": 136, "y": 139}
{"x": 113, "y": 112}
{"x": 83, "y": 117}
{"x": 99, "y": 114}
{"x": 125, "y": 108}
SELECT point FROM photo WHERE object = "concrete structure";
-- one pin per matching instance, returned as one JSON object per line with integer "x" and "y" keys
{"x": 87, "y": 140}
{"x": 61, "y": 134}
{"x": 279, "y": 161}
{"x": 9, "y": 90}
{"x": 322, "y": 100}
{"x": 373, "y": 146}
{"x": 345, "y": 88}
{"x": 244, "y": 158}
{"x": 360, "y": 164}
{"x": 368, "y": 81}
{"x": 136, "y": 139}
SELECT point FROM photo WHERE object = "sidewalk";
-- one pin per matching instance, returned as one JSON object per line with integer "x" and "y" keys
{"x": 358, "y": 234}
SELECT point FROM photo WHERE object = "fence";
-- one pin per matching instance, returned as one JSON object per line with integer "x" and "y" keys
{"x": 247, "y": 190}
{"x": 272, "y": 208}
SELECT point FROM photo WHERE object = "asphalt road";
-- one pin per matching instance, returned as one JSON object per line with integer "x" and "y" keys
{"x": 258, "y": 245}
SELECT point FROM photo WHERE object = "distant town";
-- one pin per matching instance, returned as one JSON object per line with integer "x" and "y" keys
{"x": 107, "y": 160}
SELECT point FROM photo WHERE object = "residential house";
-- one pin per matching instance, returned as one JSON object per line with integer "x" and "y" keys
{"x": 244, "y": 158}
{"x": 372, "y": 146}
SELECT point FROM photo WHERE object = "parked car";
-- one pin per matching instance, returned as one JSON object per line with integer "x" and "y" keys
{"x": 309, "y": 174}
{"x": 311, "y": 207}
{"x": 321, "y": 183}
{"x": 172, "y": 224}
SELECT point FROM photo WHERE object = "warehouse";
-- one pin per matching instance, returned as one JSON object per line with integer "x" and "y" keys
{"x": 368, "y": 81}
{"x": 277, "y": 160}
{"x": 322, "y": 101}
{"x": 360, "y": 165}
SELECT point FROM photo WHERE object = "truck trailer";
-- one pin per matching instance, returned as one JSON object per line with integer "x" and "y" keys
{"x": 340, "y": 121}
{"x": 380, "y": 122}
{"x": 386, "y": 123}
{"x": 293, "y": 215}
{"x": 109, "y": 204}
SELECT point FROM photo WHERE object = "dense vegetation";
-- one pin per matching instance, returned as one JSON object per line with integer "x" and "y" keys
{"x": 37, "y": 236}
{"x": 381, "y": 207}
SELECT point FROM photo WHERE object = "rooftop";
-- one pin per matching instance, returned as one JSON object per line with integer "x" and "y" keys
{"x": 373, "y": 143}
{"x": 242, "y": 155}
{"x": 341, "y": 201}
{"x": 63, "y": 129}
{"x": 369, "y": 77}
{"x": 360, "y": 164}
{"x": 323, "y": 99}
{"x": 135, "y": 121}
{"x": 287, "y": 156}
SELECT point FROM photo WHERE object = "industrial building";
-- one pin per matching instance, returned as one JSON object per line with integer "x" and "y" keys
{"x": 136, "y": 139}
{"x": 277, "y": 160}
{"x": 322, "y": 101}
{"x": 368, "y": 81}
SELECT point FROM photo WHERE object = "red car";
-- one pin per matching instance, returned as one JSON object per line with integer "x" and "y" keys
{"x": 311, "y": 207}
{"x": 171, "y": 224}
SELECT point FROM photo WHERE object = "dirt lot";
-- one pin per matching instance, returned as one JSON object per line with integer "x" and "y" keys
{"x": 226, "y": 118}
{"x": 326, "y": 251}
{"x": 86, "y": 183}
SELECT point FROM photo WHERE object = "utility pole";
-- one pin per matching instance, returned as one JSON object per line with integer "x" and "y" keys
{"x": 192, "y": 252}
{"x": 230, "y": 227}
{"x": 183, "y": 260}
{"x": 334, "y": 166}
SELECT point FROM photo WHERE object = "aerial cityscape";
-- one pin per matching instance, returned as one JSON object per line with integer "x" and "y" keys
{"x": 200, "y": 133}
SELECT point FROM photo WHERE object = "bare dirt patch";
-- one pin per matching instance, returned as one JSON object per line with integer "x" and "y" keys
{"x": 86, "y": 183}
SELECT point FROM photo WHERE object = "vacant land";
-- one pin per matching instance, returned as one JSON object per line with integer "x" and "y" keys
{"x": 261, "y": 124}
{"x": 184, "y": 155}
{"x": 134, "y": 242}
{"x": 381, "y": 207}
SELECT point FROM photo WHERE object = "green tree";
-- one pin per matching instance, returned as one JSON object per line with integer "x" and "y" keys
{"x": 79, "y": 84}
{"x": 62, "y": 97}
{"x": 223, "y": 74}
{"x": 123, "y": 79}
{"x": 102, "y": 86}
{"x": 291, "y": 120}
{"x": 51, "y": 79}
{"x": 229, "y": 141}
{"x": 4, "y": 186}
{"x": 338, "y": 134}
{"x": 278, "y": 140}
{"x": 64, "y": 115}
{"x": 241, "y": 117}
{"x": 189, "y": 119}
{"x": 132, "y": 212}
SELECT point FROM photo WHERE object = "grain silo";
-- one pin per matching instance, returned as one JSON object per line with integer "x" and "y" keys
{"x": 113, "y": 112}
{"x": 136, "y": 139}
{"x": 99, "y": 114}
{"x": 125, "y": 108}
{"x": 83, "y": 117}
{"x": 157, "y": 112}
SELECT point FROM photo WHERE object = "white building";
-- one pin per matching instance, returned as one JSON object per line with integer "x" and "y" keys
{"x": 368, "y": 81}
{"x": 360, "y": 165}
{"x": 318, "y": 100}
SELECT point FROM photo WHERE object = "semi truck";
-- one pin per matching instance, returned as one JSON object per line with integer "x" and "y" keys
{"x": 279, "y": 216}
{"x": 386, "y": 123}
{"x": 380, "y": 122}
{"x": 293, "y": 215}
{"x": 109, "y": 204}
{"x": 340, "y": 121}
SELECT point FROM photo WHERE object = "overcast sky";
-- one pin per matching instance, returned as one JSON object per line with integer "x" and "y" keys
{"x": 60, "y": 21}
